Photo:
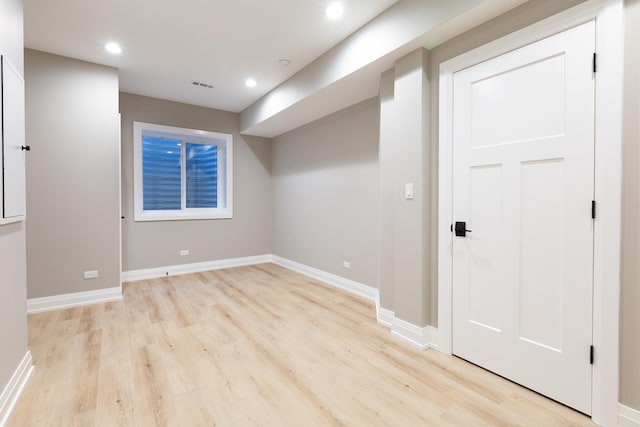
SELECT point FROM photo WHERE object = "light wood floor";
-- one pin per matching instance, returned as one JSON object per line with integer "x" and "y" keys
{"x": 253, "y": 346}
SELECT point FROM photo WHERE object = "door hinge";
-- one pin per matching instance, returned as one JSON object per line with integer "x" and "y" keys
{"x": 591, "y": 355}
{"x": 593, "y": 209}
{"x": 595, "y": 62}
{"x": 452, "y": 228}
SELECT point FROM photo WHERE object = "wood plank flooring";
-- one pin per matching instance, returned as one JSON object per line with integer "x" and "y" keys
{"x": 254, "y": 346}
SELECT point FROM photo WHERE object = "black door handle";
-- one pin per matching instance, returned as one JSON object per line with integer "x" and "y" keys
{"x": 25, "y": 147}
{"x": 461, "y": 229}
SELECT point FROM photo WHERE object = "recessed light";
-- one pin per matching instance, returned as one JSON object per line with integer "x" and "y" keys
{"x": 250, "y": 82}
{"x": 284, "y": 62}
{"x": 112, "y": 47}
{"x": 335, "y": 10}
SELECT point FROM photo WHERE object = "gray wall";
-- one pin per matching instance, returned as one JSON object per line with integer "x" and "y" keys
{"x": 13, "y": 299}
{"x": 325, "y": 196}
{"x": 405, "y": 158}
{"x": 158, "y": 243}
{"x": 630, "y": 293}
{"x": 73, "y": 194}
{"x": 13, "y": 277}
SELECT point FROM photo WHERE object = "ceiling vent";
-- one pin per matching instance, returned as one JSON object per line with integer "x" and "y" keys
{"x": 206, "y": 85}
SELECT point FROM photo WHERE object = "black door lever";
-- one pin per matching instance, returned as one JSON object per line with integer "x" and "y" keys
{"x": 461, "y": 229}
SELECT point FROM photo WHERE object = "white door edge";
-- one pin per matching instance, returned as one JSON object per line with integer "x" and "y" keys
{"x": 609, "y": 41}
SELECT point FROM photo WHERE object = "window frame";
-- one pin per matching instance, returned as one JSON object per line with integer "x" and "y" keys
{"x": 223, "y": 141}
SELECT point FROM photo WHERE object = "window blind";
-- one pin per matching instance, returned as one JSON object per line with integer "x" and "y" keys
{"x": 202, "y": 175}
{"x": 161, "y": 170}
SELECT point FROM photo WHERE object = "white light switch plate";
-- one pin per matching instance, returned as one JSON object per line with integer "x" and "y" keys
{"x": 408, "y": 191}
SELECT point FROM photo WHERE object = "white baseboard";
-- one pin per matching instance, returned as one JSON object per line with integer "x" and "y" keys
{"x": 385, "y": 317}
{"x": 14, "y": 388}
{"x": 628, "y": 417}
{"x": 350, "y": 286}
{"x": 421, "y": 337}
{"x": 175, "y": 270}
{"x": 57, "y": 302}
{"x": 364, "y": 291}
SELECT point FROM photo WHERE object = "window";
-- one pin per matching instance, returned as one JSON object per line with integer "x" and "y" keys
{"x": 181, "y": 173}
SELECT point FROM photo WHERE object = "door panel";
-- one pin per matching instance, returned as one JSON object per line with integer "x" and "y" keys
{"x": 497, "y": 99}
{"x": 486, "y": 198}
{"x": 523, "y": 148}
{"x": 542, "y": 253}
{"x": 13, "y": 138}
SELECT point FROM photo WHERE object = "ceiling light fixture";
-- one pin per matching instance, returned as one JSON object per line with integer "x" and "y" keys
{"x": 284, "y": 62}
{"x": 250, "y": 82}
{"x": 335, "y": 10}
{"x": 114, "y": 48}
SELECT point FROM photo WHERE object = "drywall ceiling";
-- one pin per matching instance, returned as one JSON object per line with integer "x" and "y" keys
{"x": 349, "y": 72}
{"x": 169, "y": 44}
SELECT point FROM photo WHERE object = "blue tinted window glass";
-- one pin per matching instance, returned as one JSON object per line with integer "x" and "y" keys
{"x": 161, "y": 173}
{"x": 202, "y": 175}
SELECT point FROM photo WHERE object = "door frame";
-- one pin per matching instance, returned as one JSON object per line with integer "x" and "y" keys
{"x": 609, "y": 17}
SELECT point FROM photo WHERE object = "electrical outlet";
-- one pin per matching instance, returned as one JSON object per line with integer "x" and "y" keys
{"x": 184, "y": 252}
{"x": 346, "y": 264}
{"x": 91, "y": 274}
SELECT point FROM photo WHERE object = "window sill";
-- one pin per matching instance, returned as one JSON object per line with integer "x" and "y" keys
{"x": 183, "y": 216}
{"x": 11, "y": 220}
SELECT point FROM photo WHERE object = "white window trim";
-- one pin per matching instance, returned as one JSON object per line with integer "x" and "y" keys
{"x": 226, "y": 167}
{"x": 608, "y": 184}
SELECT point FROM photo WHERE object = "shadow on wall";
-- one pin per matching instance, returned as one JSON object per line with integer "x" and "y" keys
{"x": 344, "y": 138}
{"x": 7, "y": 229}
{"x": 261, "y": 148}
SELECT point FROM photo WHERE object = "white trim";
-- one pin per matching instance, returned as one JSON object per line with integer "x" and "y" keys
{"x": 120, "y": 198}
{"x": 4, "y": 59}
{"x": 223, "y": 141}
{"x": 609, "y": 20}
{"x": 420, "y": 337}
{"x": 14, "y": 388}
{"x": 423, "y": 338}
{"x": 628, "y": 417}
{"x": 445, "y": 210}
{"x": 364, "y": 291}
{"x": 58, "y": 302}
{"x": 369, "y": 293}
{"x": 184, "y": 215}
{"x": 174, "y": 270}
{"x": 4, "y": 221}
{"x": 384, "y": 316}
{"x": 608, "y": 189}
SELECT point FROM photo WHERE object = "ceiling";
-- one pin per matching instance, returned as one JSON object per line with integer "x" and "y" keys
{"x": 167, "y": 44}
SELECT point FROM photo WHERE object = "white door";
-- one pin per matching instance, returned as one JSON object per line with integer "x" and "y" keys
{"x": 523, "y": 149}
{"x": 13, "y": 141}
